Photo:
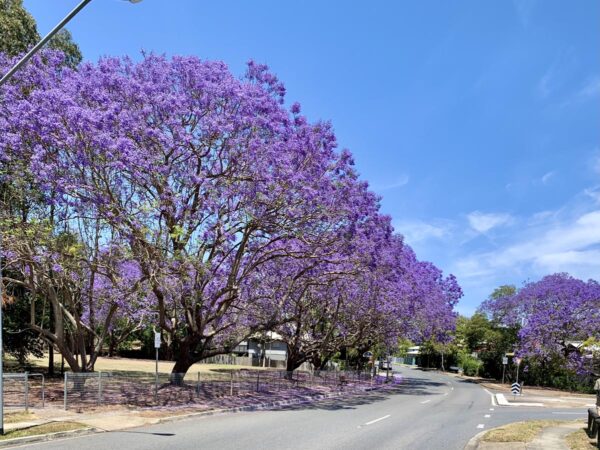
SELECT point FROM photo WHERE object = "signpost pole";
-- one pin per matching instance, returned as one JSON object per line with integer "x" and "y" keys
{"x": 156, "y": 347}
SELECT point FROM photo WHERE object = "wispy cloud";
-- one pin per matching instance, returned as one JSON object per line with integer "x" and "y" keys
{"x": 593, "y": 193}
{"x": 416, "y": 231}
{"x": 402, "y": 180}
{"x": 524, "y": 9}
{"x": 547, "y": 177}
{"x": 557, "y": 74}
{"x": 484, "y": 222}
{"x": 591, "y": 88}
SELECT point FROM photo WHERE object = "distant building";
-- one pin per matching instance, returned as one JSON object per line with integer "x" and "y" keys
{"x": 265, "y": 349}
{"x": 413, "y": 355}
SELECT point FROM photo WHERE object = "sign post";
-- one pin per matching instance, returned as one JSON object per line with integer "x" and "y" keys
{"x": 504, "y": 363}
{"x": 156, "y": 347}
{"x": 518, "y": 361}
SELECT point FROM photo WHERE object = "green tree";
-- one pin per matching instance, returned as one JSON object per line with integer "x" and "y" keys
{"x": 19, "y": 33}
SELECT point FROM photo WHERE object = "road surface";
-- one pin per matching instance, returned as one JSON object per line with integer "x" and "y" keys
{"x": 427, "y": 411}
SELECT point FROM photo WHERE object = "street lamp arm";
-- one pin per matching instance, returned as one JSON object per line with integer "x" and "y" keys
{"x": 46, "y": 38}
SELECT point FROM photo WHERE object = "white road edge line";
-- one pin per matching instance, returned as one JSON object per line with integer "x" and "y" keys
{"x": 377, "y": 420}
{"x": 480, "y": 425}
{"x": 426, "y": 401}
{"x": 492, "y": 397}
{"x": 570, "y": 413}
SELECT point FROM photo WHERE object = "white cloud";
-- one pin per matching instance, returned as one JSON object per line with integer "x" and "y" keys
{"x": 570, "y": 246}
{"x": 484, "y": 222}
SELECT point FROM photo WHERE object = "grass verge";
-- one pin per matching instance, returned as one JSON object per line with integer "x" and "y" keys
{"x": 53, "y": 427}
{"x": 518, "y": 431}
{"x": 579, "y": 440}
{"x": 19, "y": 416}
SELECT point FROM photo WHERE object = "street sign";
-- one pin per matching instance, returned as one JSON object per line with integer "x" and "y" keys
{"x": 515, "y": 389}
{"x": 156, "y": 339}
{"x": 505, "y": 360}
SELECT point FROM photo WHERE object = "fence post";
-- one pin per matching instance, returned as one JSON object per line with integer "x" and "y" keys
{"x": 43, "y": 391}
{"x": 231, "y": 384}
{"x": 65, "y": 391}
{"x": 26, "y": 391}
{"x": 257, "y": 381}
{"x": 198, "y": 386}
{"x": 99, "y": 388}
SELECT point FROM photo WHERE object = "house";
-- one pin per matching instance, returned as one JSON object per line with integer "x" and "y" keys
{"x": 266, "y": 349}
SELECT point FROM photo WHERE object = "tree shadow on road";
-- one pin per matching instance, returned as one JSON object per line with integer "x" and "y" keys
{"x": 408, "y": 387}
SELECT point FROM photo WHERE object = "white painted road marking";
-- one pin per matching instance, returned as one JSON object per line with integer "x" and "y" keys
{"x": 377, "y": 420}
{"x": 487, "y": 416}
{"x": 491, "y": 409}
{"x": 480, "y": 425}
{"x": 568, "y": 413}
{"x": 492, "y": 397}
{"x": 426, "y": 401}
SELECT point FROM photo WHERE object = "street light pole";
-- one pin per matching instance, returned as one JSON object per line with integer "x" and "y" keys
{"x": 46, "y": 38}
{"x": 3, "y": 80}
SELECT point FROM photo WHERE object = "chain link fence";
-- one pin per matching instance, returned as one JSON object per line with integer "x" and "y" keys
{"x": 147, "y": 389}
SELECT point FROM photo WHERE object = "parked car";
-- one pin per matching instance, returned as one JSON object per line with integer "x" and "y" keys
{"x": 385, "y": 364}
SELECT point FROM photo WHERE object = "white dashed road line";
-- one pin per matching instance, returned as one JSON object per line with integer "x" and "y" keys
{"x": 480, "y": 425}
{"x": 377, "y": 420}
{"x": 426, "y": 401}
{"x": 487, "y": 416}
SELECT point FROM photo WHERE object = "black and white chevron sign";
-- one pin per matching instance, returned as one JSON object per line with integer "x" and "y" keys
{"x": 515, "y": 388}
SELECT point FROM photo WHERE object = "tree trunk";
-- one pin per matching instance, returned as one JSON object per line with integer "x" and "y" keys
{"x": 294, "y": 360}
{"x": 185, "y": 359}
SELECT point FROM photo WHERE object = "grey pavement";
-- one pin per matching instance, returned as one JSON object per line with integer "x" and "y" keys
{"x": 427, "y": 411}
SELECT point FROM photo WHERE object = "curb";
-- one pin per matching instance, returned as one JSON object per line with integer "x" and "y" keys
{"x": 502, "y": 401}
{"x": 260, "y": 406}
{"x": 473, "y": 443}
{"x": 47, "y": 437}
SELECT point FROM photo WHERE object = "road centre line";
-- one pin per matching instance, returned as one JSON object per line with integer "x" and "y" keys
{"x": 377, "y": 420}
{"x": 487, "y": 416}
{"x": 480, "y": 425}
{"x": 426, "y": 401}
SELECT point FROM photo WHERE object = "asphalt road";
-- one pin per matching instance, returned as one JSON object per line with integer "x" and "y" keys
{"x": 426, "y": 411}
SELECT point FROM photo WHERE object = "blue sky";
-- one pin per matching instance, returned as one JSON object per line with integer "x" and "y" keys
{"x": 478, "y": 121}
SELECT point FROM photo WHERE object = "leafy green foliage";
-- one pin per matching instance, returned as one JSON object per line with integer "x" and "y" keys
{"x": 19, "y": 33}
